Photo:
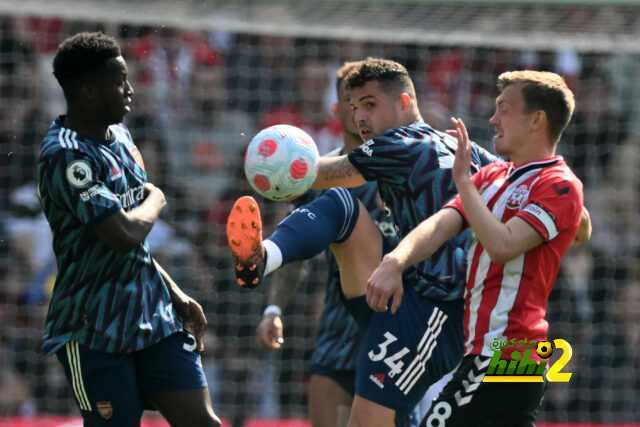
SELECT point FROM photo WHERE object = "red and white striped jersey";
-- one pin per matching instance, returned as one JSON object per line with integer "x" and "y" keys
{"x": 507, "y": 301}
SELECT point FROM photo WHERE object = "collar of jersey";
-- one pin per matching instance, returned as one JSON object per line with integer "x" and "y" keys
{"x": 514, "y": 173}
{"x": 59, "y": 123}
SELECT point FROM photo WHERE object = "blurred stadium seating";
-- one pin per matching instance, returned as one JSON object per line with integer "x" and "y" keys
{"x": 208, "y": 74}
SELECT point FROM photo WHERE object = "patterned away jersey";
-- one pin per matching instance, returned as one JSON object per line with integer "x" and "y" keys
{"x": 506, "y": 301}
{"x": 412, "y": 166}
{"x": 108, "y": 301}
{"x": 338, "y": 335}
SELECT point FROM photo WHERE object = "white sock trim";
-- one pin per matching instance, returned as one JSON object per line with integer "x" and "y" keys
{"x": 274, "y": 256}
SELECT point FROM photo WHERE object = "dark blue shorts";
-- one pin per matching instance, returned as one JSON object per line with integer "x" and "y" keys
{"x": 346, "y": 378}
{"x": 111, "y": 389}
{"x": 402, "y": 354}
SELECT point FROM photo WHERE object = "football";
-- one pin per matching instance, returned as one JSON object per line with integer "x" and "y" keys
{"x": 281, "y": 162}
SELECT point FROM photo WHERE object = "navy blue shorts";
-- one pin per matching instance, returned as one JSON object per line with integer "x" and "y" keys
{"x": 111, "y": 389}
{"x": 402, "y": 354}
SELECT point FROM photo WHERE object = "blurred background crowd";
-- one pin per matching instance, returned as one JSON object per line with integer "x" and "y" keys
{"x": 199, "y": 98}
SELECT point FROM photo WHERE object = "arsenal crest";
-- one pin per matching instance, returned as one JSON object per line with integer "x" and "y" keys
{"x": 105, "y": 409}
{"x": 518, "y": 197}
{"x": 137, "y": 157}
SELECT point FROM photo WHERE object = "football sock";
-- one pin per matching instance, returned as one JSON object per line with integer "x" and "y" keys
{"x": 274, "y": 256}
{"x": 311, "y": 228}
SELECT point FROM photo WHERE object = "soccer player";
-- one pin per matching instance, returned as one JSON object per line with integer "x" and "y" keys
{"x": 524, "y": 215}
{"x": 116, "y": 321}
{"x": 333, "y": 362}
{"x": 411, "y": 163}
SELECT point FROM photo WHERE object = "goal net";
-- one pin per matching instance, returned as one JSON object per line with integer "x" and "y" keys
{"x": 208, "y": 74}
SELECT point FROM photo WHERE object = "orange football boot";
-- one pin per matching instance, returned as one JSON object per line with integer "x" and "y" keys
{"x": 244, "y": 233}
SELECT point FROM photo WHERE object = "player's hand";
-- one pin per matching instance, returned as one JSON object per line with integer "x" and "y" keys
{"x": 462, "y": 163}
{"x": 385, "y": 281}
{"x": 269, "y": 332}
{"x": 191, "y": 314}
{"x": 151, "y": 190}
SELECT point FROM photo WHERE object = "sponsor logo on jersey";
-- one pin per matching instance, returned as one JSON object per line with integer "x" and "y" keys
{"x": 105, "y": 409}
{"x": 133, "y": 195}
{"x": 560, "y": 191}
{"x": 79, "y": 173}
{"x": 518, "y": 197}
{"x": 366, "y": 148}
{"x": 378, "y": 379}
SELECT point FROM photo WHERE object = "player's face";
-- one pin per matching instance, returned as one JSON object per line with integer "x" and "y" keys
{"x": 344, "y": 111}
{"x": 114, "y": 90}
{"x": 511, "y": 121}
{"x": 375, "y": 110}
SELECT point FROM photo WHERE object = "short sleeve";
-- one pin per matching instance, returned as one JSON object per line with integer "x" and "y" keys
{"x": 387, "y": 158}
{"x": 554, "y": 206}
{"x": 73, "y": 179}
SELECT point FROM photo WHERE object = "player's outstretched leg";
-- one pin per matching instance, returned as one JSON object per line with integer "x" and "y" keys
{"x": 308, "y": 231}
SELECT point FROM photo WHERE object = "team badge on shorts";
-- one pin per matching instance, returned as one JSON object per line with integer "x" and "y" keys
{"x": 105, "y": 409}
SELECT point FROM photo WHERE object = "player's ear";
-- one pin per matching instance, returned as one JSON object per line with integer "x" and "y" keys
{"x": 405, "y": 101}
{"x": 334, "y": 108}
{"x": 539, "y": 120}
{"x": 87, "y": 90}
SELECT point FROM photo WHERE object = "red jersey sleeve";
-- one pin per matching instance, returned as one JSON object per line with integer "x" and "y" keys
{"x": 554, "y": 205}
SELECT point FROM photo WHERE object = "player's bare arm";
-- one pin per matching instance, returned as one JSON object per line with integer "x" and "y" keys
{"x": 188, "y": 309}
{"x": 502, "y": 241}
{"x": 124, "y": 231}
{"x": 284, "y": 283}
{"x": 418, "y": 245}
{"x": 337, "y": 172}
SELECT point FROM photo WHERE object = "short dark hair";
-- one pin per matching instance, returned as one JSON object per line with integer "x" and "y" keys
{"x": 389, "y": 74}
{"x": 81, "y": 54}
{"x": 546, "y": 91}
{"x": 344, "y": 71}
